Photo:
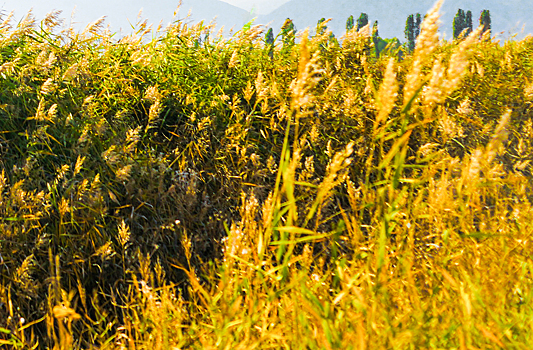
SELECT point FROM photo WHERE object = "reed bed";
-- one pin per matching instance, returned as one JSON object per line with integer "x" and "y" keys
{"x": 185, "y": 190}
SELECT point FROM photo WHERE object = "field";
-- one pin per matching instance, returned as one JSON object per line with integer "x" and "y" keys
{"x": 190, "y": 191}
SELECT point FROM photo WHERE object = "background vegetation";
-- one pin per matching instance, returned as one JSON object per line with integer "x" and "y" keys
{"x": 192, "y": 191}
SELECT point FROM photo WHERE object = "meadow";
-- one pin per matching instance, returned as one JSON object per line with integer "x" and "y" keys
{"x": 186, "y": 190}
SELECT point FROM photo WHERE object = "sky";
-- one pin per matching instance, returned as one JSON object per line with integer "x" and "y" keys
{"x": 261, "y": 7}
{"x": 120, "y": 13}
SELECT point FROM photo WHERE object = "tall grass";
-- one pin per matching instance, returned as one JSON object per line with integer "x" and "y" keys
{"x": 195, "y": 191}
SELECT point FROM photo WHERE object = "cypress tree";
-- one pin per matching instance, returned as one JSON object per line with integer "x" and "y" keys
{"x": 362, "y": 21}
{"x": 349, "y": 23}
{"x": 269, "y": 37}
{"x": 459, "y": 23}
{"x": 288, "y": 33}
{"x": 269, "y": 40}
{"x": 375, "y": 37}
{"x": 468, "y": 22}
{"x": 484, "y": 20}
{"x": 410, "y": 33}
{"x": 418, "y": 22}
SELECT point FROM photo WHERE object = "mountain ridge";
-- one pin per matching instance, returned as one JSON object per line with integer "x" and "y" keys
{"x": 122, "y": 14}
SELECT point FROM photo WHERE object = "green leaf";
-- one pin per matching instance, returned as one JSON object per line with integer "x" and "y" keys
{"x": 294, "y": 229}
{"x": 395, "y": 149}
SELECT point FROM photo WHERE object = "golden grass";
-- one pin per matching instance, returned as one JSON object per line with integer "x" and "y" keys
{"x": 198, "y": 192}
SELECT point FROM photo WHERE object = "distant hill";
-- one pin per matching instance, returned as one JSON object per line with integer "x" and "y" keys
{"x": 121, "y": 13}
{"x": 506, "y": 16}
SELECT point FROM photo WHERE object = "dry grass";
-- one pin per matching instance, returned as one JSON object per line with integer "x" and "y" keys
{"x": 191, "y": 191}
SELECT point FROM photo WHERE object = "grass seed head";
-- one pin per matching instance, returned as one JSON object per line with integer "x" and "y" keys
{"x": 79, "y": 164}
{"x": 48, "y": 87}
{"x": 496, "y": 144}
{"x": 459, "y": 61}
{"x": 234, "y": 59}
{"x": 6, "y": 23}
{"x": 124, "y": 173}
{"x": 152, "y": 94}
{"x": 153, "y": 115}
{"x": 261, "y": 87}
{"x": 53, "y": 19}
{"x": 388, "y": 92}
{"x": 95, "y": 27}
{"x": 123, "y": 233}
{"x": 426, "y": 43}
{"x": 433, "y": 94}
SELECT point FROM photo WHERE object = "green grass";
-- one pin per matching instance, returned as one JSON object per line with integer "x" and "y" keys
{"x": 190, "y": 191}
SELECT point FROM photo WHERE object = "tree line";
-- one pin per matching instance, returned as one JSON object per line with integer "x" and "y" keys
{"x": 462, "y": 27}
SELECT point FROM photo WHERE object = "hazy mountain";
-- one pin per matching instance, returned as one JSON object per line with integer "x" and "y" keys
{"x": 506, "y": 16}
{"x": 120, "y": 14}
